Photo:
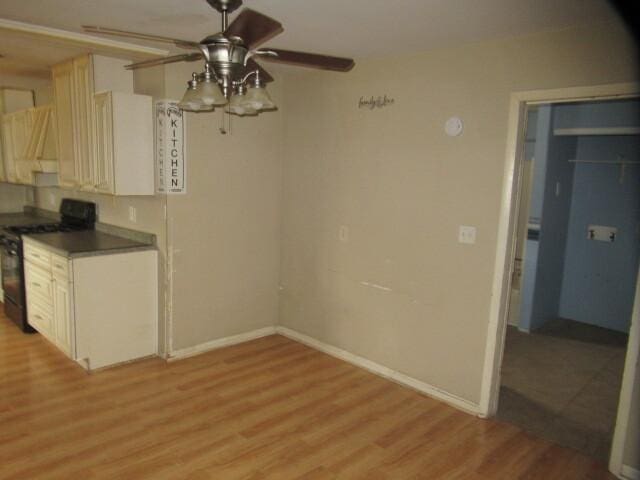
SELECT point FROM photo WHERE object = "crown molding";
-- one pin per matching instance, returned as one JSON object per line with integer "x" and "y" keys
{"x": 81, "y": 39}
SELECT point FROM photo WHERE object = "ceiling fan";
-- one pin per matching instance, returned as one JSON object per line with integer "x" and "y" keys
{"x": 231, "y": 76}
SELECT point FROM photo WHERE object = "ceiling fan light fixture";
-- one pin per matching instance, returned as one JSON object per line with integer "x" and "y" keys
{"x": 238, "y": 104}
{"x": 258, "y": 98}
{"x": 191, "y": 101}
{"x": 208, "y": 90}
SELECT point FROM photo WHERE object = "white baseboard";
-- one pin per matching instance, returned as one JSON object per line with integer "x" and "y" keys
{"x": 219, "y": 343}
{"x": 630, "y": 473}
{"x": 381, "y": 370}
{"x": 356, "y": 360}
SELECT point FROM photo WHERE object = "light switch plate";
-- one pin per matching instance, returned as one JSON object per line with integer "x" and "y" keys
{"x": 467, "y": 234}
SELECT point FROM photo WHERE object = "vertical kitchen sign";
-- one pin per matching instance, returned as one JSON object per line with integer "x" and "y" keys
{"x": 170, "y": 148}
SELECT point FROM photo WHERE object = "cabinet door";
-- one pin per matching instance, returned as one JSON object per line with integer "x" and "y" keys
{"x": 20, "y": 130}
{"x": 62, "y": 318}
{"x": 63, "y": 86}
{"x": 103, "y": 161}
{"x": 9, "y": 158}
{"x": 83, "y": 124}
{"x": 23, "y": 124}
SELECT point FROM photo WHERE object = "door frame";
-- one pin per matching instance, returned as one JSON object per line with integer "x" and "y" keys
{"x": 505, "y": 250}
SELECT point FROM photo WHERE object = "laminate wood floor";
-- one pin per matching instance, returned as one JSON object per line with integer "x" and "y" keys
{"x": 267, "y": 409}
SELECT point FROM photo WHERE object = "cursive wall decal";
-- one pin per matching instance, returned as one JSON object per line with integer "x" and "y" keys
{"x": 375, "y": 102}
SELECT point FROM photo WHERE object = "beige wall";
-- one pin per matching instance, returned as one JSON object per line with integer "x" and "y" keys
{"x": 225, "y": 232}
{"x": 12, "y": 198}
{"x": 403, "y": 187}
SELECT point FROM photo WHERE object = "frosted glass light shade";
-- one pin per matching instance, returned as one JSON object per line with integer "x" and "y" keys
{"x": 210, "y": 93}
{"x": 259, "y": 99}
{"x": 238, "y": 106}
{"x": 193, "y": 103}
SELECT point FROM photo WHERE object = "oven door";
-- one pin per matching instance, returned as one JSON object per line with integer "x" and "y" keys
{"x": 12, "y": 281}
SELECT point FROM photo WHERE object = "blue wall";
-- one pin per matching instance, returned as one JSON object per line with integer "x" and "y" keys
{"x": 538, "y": 128}
{"x": 554, "y": 220}
{"x": 599, "y": 281}
{"x": 544, "y": 258}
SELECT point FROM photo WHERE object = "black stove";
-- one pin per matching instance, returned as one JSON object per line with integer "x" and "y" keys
{"x": 75, "y": 215}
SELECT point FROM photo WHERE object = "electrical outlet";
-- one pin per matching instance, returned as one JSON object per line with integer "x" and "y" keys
{"x": 467, "y": 234}
{"x": 132, "y": 214}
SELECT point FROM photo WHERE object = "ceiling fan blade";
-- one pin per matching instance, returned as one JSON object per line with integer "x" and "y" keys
{"x": 185, "y": 57}
{"x": 140, "y": 36}
{"x": 253, "y": 28}
{"x": 312, "y": 60}
{"x": 252, "y": 65}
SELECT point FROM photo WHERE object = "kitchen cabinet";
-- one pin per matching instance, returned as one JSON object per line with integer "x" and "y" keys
{"x": 100, "y": 310}
{"x": 98, "y": 133}
{"x": 123, "y": 156}
{"x": 83, "y": 118}
{"x": 16, "y": 129}
{"x": 48, "y": 300}
{"x": 11, "y": 100}
{"x": 29, "y": 145}
{"x": 9, "y": 160}
{"x": 63, "y": 87}
{"x": 72, "y": 86}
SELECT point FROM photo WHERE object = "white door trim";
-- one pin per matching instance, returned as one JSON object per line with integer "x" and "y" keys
{"x": 505, "y": 251}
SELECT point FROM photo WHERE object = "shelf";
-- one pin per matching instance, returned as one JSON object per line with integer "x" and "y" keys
{"x": 559, "y": 132}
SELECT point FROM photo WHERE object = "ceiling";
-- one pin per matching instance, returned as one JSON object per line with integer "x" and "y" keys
{"x": 353, "y": 28}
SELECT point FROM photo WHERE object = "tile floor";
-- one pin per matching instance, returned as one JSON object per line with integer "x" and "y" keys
{"x": 562, "y": 383}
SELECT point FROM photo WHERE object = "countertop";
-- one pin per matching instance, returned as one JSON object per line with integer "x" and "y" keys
{"x": 87, "y": 243}
{"x": 21, "y": 218}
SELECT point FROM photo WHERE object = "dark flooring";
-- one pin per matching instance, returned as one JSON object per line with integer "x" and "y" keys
{"x": 562, "y": 383}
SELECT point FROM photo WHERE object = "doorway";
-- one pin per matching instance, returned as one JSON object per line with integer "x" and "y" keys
{"x": 512, "y": 254}
{"x": 572, "y": 287}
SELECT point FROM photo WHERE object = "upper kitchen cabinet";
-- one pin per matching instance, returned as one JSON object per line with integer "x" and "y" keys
{"x": 73, "y": 89}
{"x": 123, "y": 157}
{"x": 96, "y": 154}
{"x": 11, "y": 100}
{"x": 64, "y": 101}
{"x": 29, "y": 144}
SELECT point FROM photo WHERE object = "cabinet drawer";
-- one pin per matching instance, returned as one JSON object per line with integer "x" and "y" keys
{"x": 59, "y": 266}
{"x": 41, "y": 319}
{"x": 38, "y": 256}
{"x": 37, "y": 283}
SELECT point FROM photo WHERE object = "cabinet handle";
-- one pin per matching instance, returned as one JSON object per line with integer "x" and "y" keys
{"x": 57, "y": 265}
{"x": 36, "y": 284}
{"x": 38, "y": 317}
{"x": 35, "y": 255}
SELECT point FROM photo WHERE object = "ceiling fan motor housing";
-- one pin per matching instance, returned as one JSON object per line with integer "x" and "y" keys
{"x": 226, "y": 57}
{"x": 225, "y": 5}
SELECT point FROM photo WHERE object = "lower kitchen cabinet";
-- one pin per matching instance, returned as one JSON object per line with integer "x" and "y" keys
{"x": 62, "y": 317}
{"x": 99, "y": 310}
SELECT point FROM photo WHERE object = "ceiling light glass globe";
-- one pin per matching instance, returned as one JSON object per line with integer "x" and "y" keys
{"x": 259, "y": 99}
{"x": 238, "y": 106}
{"x": 210, "y": 93}
{"x": 192, "y": 102}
